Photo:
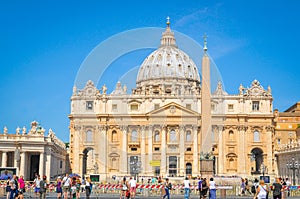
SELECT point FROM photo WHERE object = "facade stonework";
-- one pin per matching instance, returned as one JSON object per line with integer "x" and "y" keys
{"x": 170, "y": 121}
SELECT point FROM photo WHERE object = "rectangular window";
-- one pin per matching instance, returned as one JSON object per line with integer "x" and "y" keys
{"x": 89, "y": 105}
{"x": 156, "y": 148}
{"x": 188, "y": 106}
{"x": 255, "y": 106}
{"x": 157, "y": 171}
{"x": 278, "y": 141}
{"x": 172, "y": 166}
{"x": 60, "y": 164}
{"x": 230, "y": 107}
{"x": 189, "y": 149}
{"x": 213, "y": 107}
{"x": 115, "y": 107}
{"x": 134, "y": 107}
{"x": 156, "y": 106}
{"x": 133, "y": 149}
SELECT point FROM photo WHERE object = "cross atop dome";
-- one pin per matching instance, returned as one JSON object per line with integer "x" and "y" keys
{"x": 168, "y": 20}
{"x": 168, "y": 38}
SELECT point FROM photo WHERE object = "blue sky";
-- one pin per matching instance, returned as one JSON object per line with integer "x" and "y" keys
{"x": 43, "y": 44}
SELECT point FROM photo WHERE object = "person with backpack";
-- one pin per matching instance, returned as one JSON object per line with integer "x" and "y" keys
{"x": 204, "y": 188}
{"x": 124, "y": 188}
{"x": 43, "y": 187}
{"x": 8, "y": 188}
{"x": 13, "y": 187}
{"x": 254, "y": 186}
{"x": 200, "y": 180}
{"x": 88, "y": 187}
{"x": 277, "y": 189}
{"x": 66, "y": 185}
{"x": 168, "y": 188}
{"x": 262, "y": 190}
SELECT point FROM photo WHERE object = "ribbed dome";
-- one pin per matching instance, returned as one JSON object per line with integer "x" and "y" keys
{"x": 168, "y": 63}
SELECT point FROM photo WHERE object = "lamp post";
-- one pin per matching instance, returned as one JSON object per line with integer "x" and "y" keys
{"x": 135, "y": 166}
{"x": 293, "y": 165}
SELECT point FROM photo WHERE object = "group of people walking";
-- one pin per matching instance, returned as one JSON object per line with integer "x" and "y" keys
{"x": 261, "y": 190}
{"x": 71, "y": 187}
{"x": 206, "y": 189}
{"x": 128, "y": 189}
{"x": 15, "y": 187}
{"x": 66, "y": 187}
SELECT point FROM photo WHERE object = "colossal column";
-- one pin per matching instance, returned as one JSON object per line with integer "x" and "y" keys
{"x": 163, "y": 162}
{"x": 48, "y": 163}
{"x": 124, "y": 157}
{"x": 221, "y": 150}
{"x": 143, "y": 151}
{"x": 269, "y": 131}
{"x": 241, "y": 154}
{"x": 22, "y": 164}
{"x": 76, "y": 150}
{"x": 42, "y": 162}
{"x": 181, "y": 150}
{"x": 4, "y": 159}
{"x": 150, "y": 146}
{"x": 102, "y": 149}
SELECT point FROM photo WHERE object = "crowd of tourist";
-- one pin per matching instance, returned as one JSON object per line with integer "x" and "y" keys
{"x": 207, "y": 189}
{"x": 65, "y": 187}
{"x": 72, "y": 186}
{"x": 261, "y": 190}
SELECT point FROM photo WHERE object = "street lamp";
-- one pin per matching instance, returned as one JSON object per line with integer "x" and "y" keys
{"x": 135, "y": 166}
{"x": 293, "y": 165}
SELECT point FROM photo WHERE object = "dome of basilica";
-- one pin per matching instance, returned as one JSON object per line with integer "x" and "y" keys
{"x": 168, "y": 64}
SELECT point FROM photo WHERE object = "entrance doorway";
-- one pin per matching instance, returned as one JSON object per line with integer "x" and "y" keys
{"x": 34, "y": 166}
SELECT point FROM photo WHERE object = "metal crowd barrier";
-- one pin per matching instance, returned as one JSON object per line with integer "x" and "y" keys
{"x": 150, "y": 189}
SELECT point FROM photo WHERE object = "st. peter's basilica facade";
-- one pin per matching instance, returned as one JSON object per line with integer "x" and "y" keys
{"x": 171, "y": 121}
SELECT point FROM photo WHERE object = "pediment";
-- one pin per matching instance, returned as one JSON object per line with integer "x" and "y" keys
{"x": 172, "y": 110}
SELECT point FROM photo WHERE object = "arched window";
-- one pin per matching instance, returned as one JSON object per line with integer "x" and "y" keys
{"x": 188, "y": 168}
{"x": 114, "y": 136}
{"x": 232, "y": 161}
{"x": 188, "y": 136}
{"x": 256, "y": 136}
{"x": 89, "y": 136}
{"x": 134, "y": 136}
{"x": 156, "y": 136}
{"x": 231, "y": 135}
{"x": 172, "y": 136}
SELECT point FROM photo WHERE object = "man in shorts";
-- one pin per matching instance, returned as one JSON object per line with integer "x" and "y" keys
{"x": 66, "y": 185}
{"x": 37, "y": 181}
{"x": 132, "y": 184}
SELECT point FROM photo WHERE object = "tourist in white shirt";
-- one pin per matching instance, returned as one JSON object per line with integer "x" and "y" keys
{"x": 66, "y": 185}
{"x": 132, "y": 184}
{"x": 262, "y": 190}
{"x": 186, "y": 184}
{"x": 288, "y": 184}
{"x": 212, "y": 189}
